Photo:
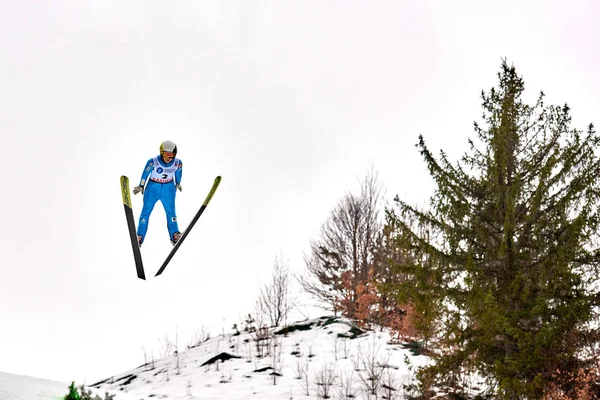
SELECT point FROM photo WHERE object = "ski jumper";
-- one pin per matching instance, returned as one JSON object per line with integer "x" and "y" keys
{"x": 161, "y": 185}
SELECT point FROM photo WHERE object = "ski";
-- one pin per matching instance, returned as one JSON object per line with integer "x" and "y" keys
{"x": 191, "y": 225}
{"x": 137, "y": 255}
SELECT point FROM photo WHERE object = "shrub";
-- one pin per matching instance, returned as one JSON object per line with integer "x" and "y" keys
{"x": 80, "y": 393}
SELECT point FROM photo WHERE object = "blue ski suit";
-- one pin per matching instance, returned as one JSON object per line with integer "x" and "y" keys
{"x": 161, "y": 180}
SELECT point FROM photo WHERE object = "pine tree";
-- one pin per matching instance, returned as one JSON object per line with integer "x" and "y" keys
{"x": 407, "y": 318}
{"x": 73, "y": 393}
{"x": 510, "y": 246}
{"x": 81, "y": 393}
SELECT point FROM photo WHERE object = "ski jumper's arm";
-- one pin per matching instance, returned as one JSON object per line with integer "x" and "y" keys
{"x": 178, "y": 174}
{"x": 147, "y": 169}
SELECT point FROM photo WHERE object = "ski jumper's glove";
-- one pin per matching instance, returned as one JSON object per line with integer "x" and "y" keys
{"x": 179, "y": 187}
{"x": 138, "y": 189}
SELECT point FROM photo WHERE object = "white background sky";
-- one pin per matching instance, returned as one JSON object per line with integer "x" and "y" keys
{"x": 291, "y": 102}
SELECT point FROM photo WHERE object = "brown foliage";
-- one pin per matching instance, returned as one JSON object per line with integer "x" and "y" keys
{"x": 370, "y": 307}
{"x": 583, "y": 384}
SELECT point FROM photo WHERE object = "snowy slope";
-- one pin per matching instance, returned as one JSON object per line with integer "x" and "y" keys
{"x": 19, "y": 387}
{"x": 310, "y": 356}
{"x": 270, "y": 365}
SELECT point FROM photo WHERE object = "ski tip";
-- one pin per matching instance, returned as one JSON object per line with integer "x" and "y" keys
{"x": 125, "y": 192}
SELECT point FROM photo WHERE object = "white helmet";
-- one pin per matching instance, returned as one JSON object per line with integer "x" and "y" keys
{"x": 168, "y": 146}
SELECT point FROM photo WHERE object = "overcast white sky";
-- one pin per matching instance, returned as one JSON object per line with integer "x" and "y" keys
{"x": 291, "y": 102}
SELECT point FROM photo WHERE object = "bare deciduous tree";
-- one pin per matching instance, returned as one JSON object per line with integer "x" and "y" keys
{"x": 275, "y": 300}
{"x": 309, "y": 347}
{"x": 301, "y": 366}
{"x": 340, "y": 258}
{"x": 262, "y": 338}
{"x": 303, "y": 376}
{"x": 276, "y": 358}
{"x": 177, "y": 349}
{"x": 370, "y": 367}
{"x": 325, "y": 379}
{"x": 345, "y": 346}
{"x": 167, "y": 347}
{"x": 146, "y": 359}
{"x": 390, "y": 386}
{"x": 346, "y": 390}
{"x": 201, "y": 336}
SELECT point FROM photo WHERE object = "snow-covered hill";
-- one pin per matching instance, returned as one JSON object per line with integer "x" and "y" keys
{"x": 301, "y": 361}
{"x": 20, "y": 387}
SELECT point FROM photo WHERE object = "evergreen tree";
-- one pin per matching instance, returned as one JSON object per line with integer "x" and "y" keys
{"x": 81, "y": 393}
{"x": 509, "y": 248}
{"x": 73, "y": 393}
{"x": 406, "y": 315}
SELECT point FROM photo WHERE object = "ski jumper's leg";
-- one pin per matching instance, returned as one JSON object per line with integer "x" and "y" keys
{"x": 151, "y": 196}
{"x": 168, "y": 200}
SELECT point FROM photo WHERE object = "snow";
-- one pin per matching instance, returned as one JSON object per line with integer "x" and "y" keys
{"x": 20, "y": 387}
{"x": 326, "y": 346}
